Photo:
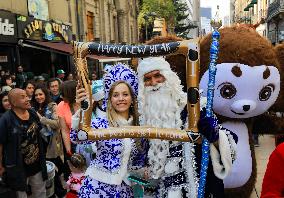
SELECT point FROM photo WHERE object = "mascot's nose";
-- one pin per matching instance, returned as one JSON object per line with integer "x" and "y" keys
{"x": 241, "y": 106}
{"x": 246, "y": 107}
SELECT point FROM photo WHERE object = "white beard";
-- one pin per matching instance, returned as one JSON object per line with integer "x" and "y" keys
{"x": 161, "y": 109}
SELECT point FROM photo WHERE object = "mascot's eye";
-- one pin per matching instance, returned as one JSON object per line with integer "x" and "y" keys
{"x": 228, "y": 91}
{"x": 265, "y": 93}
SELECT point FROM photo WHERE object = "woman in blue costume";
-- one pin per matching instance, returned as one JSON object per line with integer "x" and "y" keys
{"x": 115, "y": 158}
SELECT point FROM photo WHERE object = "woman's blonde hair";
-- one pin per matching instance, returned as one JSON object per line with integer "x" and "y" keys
{"x": 133, "y": 110}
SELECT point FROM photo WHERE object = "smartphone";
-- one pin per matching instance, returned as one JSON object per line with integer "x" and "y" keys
{"x": 138, "y": 180}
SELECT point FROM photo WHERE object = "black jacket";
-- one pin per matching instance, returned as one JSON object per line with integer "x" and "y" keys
{"x": 12, "y": 156}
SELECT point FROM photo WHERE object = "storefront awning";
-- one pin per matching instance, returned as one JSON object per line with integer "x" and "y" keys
{"x": 67, "y": 49}
{"x": 248, "y": 7}
{"x": 253, "y": 2}
{"x": 49, "y": 46}
{"x": 103, "y": 59}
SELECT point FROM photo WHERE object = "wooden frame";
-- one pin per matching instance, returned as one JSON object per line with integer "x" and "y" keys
{"x": 188, "y": 48}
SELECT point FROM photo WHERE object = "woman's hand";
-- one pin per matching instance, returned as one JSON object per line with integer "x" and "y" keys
{"x": 81, "y": 95}
{"x": 40, "y": 116}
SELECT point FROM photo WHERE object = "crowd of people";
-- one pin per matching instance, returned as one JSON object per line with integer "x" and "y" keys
{"x": 39, "y": 112}
{"x": 37, "y": 119}
{"x": 40, "y": 122}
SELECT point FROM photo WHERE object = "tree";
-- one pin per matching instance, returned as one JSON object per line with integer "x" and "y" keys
{"x": 182, "y": 25}
{"x": 151, "y": 9}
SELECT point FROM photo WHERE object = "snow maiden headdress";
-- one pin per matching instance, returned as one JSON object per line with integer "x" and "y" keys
{"x": 120, "y": 72}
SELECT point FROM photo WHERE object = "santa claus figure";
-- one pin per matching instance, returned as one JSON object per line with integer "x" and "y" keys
{"x": 175, "y": 165}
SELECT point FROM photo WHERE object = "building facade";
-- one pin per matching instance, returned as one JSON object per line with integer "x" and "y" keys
{"x": 195, "y": 18}
{"x": 253, "y": 13}
{"x": 39, "y": 32}
{"x": 206, "y": 16}
{"x": 275, "y": 21}
{"x": 110, "y": 21}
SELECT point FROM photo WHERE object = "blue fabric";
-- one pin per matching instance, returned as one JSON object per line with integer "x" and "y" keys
{"x": 208, "y": 127}
{"x": 108, "y": 157}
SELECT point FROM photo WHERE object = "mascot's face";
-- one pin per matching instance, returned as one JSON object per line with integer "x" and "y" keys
{"x": 242, "y": 91}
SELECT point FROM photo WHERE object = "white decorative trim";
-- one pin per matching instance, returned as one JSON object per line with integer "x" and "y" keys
{"x": 221, "y": 161}
{"x": 203, "y": 102}
{"x": 110, "y": 177}
{"x": 75, "y": 120}
{"x": 190, "y": 166}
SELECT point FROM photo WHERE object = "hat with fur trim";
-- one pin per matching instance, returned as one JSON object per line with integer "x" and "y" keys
{"x": 151, "y": 64}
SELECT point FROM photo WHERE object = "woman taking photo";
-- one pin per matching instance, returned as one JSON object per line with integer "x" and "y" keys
{"x": 46, "y": 110}
{"x": 107, "y": 174}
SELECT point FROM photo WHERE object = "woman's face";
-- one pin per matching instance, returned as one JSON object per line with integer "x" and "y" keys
{"x": 30, "y": 90}
{"x": 39, "y": 96}
{"x": 5, "y": 103}
{"x": 9, "y": 81}
{"x": 121, "y": 98}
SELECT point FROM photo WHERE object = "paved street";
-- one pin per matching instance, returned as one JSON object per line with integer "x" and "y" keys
{"x": 267, "y": 145}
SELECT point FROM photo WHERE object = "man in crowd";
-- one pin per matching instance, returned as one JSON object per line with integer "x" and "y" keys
{"x": 54, "y": 88}
{"x": 172, "y": 163}
{"x": 29, "y": 87}
{"x": 22, "y": 153}
{"x": 60, "y": 74}
{"x": 21, "y": 77}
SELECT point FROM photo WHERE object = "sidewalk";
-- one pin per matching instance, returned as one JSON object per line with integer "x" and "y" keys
{"x": 267, "y": 145}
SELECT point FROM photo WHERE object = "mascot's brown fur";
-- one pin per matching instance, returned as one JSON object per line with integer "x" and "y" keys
{"x": 243, "y": 45}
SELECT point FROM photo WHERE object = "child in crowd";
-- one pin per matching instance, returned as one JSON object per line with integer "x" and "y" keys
{"x": 77, "y": 165}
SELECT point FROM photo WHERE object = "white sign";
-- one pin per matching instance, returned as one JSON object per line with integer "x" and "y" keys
{"x": 6, "y": 28}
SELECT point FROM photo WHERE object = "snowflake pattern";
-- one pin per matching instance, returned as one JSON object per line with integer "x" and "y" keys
{"x": 108, "y": 158}
{"x": 92, "y": 188}
{"x": 119, "y": 72}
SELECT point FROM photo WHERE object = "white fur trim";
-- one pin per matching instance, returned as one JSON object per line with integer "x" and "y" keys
{"x": 222, "y": 162}
{"x": 174, "y": 193}
{"x": 203, "y": 102}
{"x": 190, "y": 166}
{"x": 150, "y": 64}
{"x": 108, "y": 177}
{"x": 94, "y": 147}
{"x": 75, "y": 120}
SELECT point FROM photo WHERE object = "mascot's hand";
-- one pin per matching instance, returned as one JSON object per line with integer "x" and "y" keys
{"x": 208, "y": 127}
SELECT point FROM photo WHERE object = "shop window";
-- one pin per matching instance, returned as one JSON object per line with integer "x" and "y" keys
{"x": 90, "y": 26}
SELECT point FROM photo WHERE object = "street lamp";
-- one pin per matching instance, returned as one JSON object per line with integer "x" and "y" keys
{"x": 146, "y": 17}
{"x": 146, "y": 27}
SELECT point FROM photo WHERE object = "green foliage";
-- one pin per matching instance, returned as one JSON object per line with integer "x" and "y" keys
{"x": 182, "y": 26}
{"x": 150, "y": 9}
